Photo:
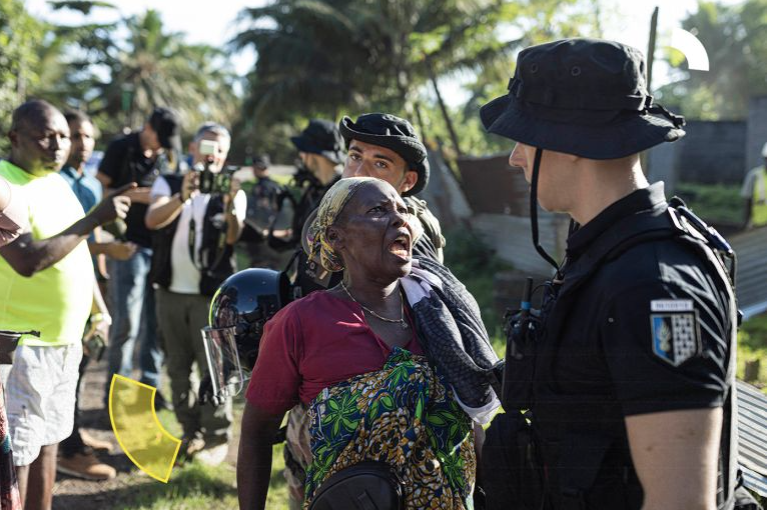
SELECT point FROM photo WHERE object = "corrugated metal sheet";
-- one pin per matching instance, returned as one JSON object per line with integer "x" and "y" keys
{"x": 751, "y": 427}
{"x": 750, "y": 247}
{"x": 494, "y": 187}
{"x": 443, "y": 194}
{"x": 510, "y": 236}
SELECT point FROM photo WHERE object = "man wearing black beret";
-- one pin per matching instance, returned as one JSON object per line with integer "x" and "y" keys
{"x": 387, "y": 147}
{"x": 631, "y": 361}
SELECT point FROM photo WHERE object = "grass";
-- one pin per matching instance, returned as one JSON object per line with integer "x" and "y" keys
{"x": 751, "y": 348}
{"x": 195, "y": 486}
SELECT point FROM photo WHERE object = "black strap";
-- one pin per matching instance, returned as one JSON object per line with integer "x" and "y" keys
{"x": 576, "y": 99}
{"x": 533, "y": 214}
{"x": 221, "y": 238}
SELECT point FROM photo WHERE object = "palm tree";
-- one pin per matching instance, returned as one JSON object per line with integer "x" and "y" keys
{"x": 120, "y": 79}
{"x": 158, "y": 68}
{"x": 323, "y": 56}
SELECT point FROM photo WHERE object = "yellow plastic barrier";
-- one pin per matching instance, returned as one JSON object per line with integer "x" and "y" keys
{"x": 137, "y": 429}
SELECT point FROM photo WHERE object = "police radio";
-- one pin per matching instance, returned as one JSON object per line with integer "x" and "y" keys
{"x": 522, "y": 329}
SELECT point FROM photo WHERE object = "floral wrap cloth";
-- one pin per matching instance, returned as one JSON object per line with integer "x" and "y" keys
{"x": 9, "y": 489}
{"x": 404, "y": 415}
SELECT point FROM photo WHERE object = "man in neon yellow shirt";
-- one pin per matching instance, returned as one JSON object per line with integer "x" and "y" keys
{"x": 754, "y": 193}
{"x": 46, "y": 284}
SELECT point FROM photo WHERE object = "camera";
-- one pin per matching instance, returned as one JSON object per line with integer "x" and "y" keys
{"x": 216, "y": 183}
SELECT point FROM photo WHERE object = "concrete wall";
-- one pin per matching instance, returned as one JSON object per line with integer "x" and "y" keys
{"x": 756, "y": 132}
{"x": 712, "y": 152}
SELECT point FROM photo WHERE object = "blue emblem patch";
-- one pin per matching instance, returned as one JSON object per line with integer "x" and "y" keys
{"x": 675, "y": 336}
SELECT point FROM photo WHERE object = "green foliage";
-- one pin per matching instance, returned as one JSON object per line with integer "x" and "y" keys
{"x": 475, "y": 265}
{"x": 84, "y": 7}
{"x": 719, "y": 204}
{"x": 20, "y": 37}
{"x": 735, "y": 39}
{"x": 342, "y": 56}
{"x": 751, "y": 341}
{"x": 118, "y": 80}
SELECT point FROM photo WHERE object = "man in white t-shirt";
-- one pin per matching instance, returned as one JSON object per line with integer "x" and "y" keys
{"x": 192, "y": 255}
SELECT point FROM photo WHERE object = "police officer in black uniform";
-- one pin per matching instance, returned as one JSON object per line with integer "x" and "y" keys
{"x": 627, "y": 372}
{"x": 321, "y": 154}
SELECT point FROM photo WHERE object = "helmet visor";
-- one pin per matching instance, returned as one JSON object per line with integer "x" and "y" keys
{"x": 223, "y": 361}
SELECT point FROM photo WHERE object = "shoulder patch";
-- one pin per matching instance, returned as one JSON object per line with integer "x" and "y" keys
{"x": 675, "y": 336}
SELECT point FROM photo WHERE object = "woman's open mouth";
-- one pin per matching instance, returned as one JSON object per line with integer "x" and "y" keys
{"x": 401, "y": 247}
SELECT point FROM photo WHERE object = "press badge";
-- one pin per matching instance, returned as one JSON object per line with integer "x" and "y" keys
{"x": 675, "y": 330}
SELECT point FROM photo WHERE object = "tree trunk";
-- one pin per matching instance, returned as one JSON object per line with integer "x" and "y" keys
{"x": 649, "y": 64}
{"x": 444, "y": 111}
{"x": 420, "y": 121}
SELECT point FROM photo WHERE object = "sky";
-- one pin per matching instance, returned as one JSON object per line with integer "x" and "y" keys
{"x": 216, "y": 23}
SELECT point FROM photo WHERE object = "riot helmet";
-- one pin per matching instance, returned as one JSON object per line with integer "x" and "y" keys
{"x": 241, "y": 306}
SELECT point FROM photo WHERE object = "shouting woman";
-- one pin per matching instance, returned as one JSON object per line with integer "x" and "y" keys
{"x": 393, "y": 363}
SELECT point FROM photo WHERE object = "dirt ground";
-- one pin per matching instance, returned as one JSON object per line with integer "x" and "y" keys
{"x": 76, "y": 494}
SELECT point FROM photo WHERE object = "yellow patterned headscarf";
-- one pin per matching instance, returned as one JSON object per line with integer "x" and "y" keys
{"x": 330, "y": 207}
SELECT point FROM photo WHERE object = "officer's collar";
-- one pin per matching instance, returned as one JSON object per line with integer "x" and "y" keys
{"x": 639, "y": 200}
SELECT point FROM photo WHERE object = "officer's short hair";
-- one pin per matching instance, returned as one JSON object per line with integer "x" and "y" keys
{"x": 211, "y": 127}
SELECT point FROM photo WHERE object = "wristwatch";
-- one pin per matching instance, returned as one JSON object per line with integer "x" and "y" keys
{"x": 101, "y": 317}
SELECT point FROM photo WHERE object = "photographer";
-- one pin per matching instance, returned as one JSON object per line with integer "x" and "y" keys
{"x": 198, "y": 217}
{"x": 138, "y": 157}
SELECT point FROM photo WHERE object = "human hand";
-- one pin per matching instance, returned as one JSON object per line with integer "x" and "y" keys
{"x": 114, "y": 206}
{"x": 95, "y": 340}
{"x": 119, "y": 250}
{"x": 190, "y": 185}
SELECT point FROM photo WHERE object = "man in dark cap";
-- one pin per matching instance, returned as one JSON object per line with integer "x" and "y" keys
{"x": 387, "y": 147}
{"x": 631, "y": 360}
{"x": 321, "y": 154}
{"x": 137, "y": 157}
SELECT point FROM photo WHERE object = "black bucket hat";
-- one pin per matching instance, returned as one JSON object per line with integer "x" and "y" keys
{"x": 165, "y": 123}
{"x": 394, "y": 133}
{"x": 321, "y": 137}
{"x": 585, "y": 97}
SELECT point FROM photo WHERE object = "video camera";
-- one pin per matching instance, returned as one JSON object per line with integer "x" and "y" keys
{"x": 214, "y": 183}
